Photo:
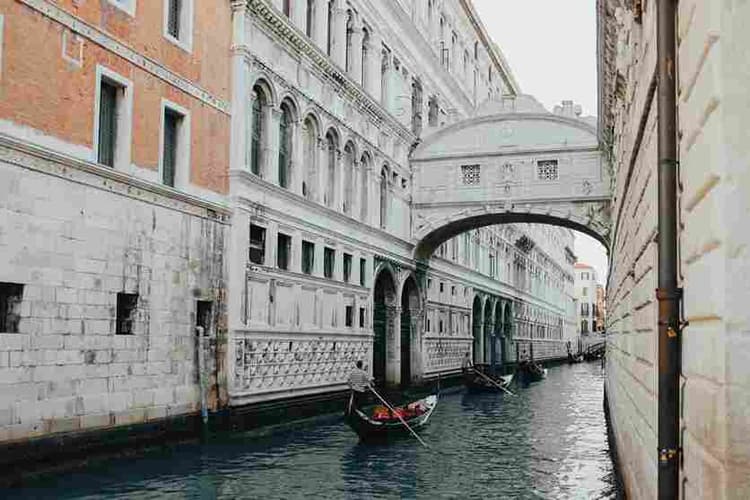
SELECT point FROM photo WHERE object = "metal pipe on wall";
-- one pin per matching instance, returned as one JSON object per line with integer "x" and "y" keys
{"x": 668, "y": 294}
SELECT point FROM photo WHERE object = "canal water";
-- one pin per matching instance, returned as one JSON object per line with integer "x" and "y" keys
{"x": 548, "y": 442}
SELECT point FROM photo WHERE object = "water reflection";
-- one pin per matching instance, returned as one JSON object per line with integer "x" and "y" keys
{"x": 547, "y": 442}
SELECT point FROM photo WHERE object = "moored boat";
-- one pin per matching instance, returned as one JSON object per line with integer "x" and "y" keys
{"x": 487, "y": 383}
{"x": 530, "y": 371}
{"x": 383, "y": 424}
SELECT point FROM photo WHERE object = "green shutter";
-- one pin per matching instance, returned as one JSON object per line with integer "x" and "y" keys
{"x": 169, "y": 159}
{"x": 107, "y": 124}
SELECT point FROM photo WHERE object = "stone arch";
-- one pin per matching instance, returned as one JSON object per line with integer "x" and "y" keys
{"x": 477, "y": 318}
{"x": 385, "y": 301}
{"x": 265, "y": 83}
{"x": 411, "y": 307}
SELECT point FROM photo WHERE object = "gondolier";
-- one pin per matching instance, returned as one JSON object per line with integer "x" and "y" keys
{"x": 359, "y": 382}
{"x": 466, "y": 364}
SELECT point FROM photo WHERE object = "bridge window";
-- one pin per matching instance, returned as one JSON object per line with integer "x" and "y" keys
{"x": 547, "y": 170}
{"x": 470, "y": 174}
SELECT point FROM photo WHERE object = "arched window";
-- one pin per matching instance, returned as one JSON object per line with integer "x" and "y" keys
{"x": 466, "y": 63}
{"x": 383, "y": 197}
{"x": 363, "y": 195}
{"x": 257, "y": 132}
{"x": 285, "y": 146}
{"x": 416, "y": 107}
{"x": 310, "y": 139}
{"x": 330, "y": 27}
{"x": 476, "y": 51}
{"x": 349, "y": 33}
{"x": 287, "y": 7}
{"x": 365, "y": 54}
{"x": 332, "y": 144}
{"x": 310, "y": 18}
{"x": 349, "y": 160}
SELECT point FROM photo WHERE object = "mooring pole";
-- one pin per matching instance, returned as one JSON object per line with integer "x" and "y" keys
{"x": 668, "y": 294}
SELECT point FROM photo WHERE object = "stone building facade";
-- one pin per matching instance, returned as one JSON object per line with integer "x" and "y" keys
{"x": 243, "y": 168}
{"x": 586, "y": 283}
{"x": 713, "y": 114}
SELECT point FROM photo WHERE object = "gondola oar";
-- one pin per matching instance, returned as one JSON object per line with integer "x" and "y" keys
{"x": 399, "y": 417}
{"x": 493, "y": 382}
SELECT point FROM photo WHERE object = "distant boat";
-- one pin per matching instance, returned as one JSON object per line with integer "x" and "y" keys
{"x": 530, "y": 371}
{"x": 381, "y": 424}
{"x": 477, "y": 383}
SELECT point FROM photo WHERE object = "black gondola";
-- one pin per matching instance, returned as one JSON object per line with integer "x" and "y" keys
{"x": 530, "y": 371}
{"x": 476, "y": 383}
{"x": 386, "y": 426}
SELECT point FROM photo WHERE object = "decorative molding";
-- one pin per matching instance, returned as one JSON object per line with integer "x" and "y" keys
{"x": 104, "y": 40}
{"x": 42, "y": 160}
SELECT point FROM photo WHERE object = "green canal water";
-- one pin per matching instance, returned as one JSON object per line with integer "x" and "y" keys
{"x": 548, "y": 442}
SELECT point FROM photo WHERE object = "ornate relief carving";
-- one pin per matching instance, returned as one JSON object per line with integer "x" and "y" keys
{"x": 264, "y": 365}
{"x": 445, "y": 353}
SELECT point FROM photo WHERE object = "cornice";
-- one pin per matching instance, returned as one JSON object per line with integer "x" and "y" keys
{"x": 278, "y": 24}
{"x": 24, "y": 155}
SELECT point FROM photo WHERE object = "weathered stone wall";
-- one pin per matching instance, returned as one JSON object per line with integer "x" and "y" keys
{"x": 74, "y": 235}
{"x": 713, "y": 109}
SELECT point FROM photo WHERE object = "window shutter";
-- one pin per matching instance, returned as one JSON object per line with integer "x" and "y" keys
{"x": 169, "y": 160}
{"x": 107, "y": 124}
{"x": 173, "y": 18}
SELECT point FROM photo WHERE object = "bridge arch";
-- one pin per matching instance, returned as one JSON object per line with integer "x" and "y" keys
{"x": 513, "y": 162}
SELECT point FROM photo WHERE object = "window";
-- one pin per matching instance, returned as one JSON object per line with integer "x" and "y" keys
{"x": 285, "y": 146}
{"x": 170, "y": 142}
{"x": 283, "y": 251}
{"x": 310, "y": 19}
{"x": 470, "y": 174}
{"x": 584, "y": 326}
{"x": 11, "y": 296}
{"x": 203, "y": 316}
{"x": 441, "y": 326}
{"x": 363, "y": 195}
{"x": 547, "y": 170}
{"x": 112, "y": 123}
{"x": 585, "y": 292}
{"x": 416, "y": 107}
{"x": 287, "y": 7}
{"x": 310, "y": 150}
{"x": 349, "y": 316}
{"x": 453, "y": 290}
{"x": 257, "y": 244}
{"x": 383, "y": 197}
{"x": 362, "y": 272}
{"x": 348, "y": 59}
{"x": 362, "y": 317}
{"x": 329, "y": 261}
{"x": 347, "y": 267}
{"x": 331, "y": 10}
{"x": 585, "y": 309}
{"x": 308, "y": 257}
{"x": 178, "y": 22}
{"x": 365, "y": 56}
{"x": 330, "y": 197}
{"x": 257, "y": 130}
{"x": 349, "y": 159}
{"x": 493, "y": 267}
{"x": 442, "y": 287}
{"x": 126, "y": 309}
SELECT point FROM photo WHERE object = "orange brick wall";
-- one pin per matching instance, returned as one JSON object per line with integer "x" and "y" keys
{"x": 42, "y": 90}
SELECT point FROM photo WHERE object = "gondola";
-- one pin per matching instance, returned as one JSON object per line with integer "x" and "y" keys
{"x": 529, "y": 371}
{"x": 477, "y": 383}
{"x": 382, "y": 425}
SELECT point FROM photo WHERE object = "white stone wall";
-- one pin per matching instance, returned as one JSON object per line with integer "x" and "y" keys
{"x": 713, "y": 150}
{"x": 75, "y": 234}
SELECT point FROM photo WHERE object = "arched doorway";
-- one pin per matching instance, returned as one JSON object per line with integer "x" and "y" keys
{"x": 488, "y": 343}
{"x": 499, "y": 350}
{"x": 384, "y": 301}
{"x": 476, "y": 323}
{"x": 409, "y": 334}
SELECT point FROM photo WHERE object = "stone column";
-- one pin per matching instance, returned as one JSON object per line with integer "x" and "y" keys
{"x": 322, "y": 174}
{"x": 338, "y": 191}
{"x": 240, "y": 104}
{"x": 299, "y": 14}
{"x": 339, "y": 34}
{"x": 270, "y": 159}
{"x": 393, "y": 347}
{"x": 364, "y": 204}
{"x": 356, "y": 174}
{"x": 298, "y": 173}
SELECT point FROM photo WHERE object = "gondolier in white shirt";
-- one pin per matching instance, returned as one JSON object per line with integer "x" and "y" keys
{"x": 359, "y": 382}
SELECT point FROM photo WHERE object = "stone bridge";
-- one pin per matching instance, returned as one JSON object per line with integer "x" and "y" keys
{"x": 514, "y": 162}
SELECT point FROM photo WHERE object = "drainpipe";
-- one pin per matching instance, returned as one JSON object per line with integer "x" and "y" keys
{"x": 668, "y": 294}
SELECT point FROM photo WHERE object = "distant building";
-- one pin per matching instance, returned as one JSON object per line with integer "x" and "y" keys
{"x": 600, "y": 309}
{"x": 585, "y": 289}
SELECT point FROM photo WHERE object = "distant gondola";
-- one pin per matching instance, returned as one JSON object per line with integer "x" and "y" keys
{"x": 477, "y": 383}
{"x": 383, "y": 425}
{"x": 530, "y": 371}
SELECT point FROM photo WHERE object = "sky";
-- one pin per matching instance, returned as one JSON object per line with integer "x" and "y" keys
{"x": 551, "y": 48}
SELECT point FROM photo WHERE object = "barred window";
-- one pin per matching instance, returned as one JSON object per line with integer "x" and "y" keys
{"x": 547, "y": 170}
{"x": 470, "y": 174}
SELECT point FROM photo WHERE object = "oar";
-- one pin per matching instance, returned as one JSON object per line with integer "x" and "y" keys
{"x": 493, "y": 382}
{"x": 399, "y": 416}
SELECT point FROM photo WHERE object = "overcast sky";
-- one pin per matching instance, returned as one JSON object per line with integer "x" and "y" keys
{"x": 551, "y": 48}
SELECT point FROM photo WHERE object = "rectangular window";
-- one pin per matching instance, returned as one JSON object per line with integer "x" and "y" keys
{"x": 308, "y": 257}
{"x": 203, "y": 316}
{"x": 178, "y": 22}
{"x": 362, "y": 317}
{"x": 442, "y": 287}
{"x": 362, "y": 272}
{"x": 107, "y": 123}
{"x": 471, "y": 174}
{"x": 257, "y": 244}
{"x": 547, "y": 170}
{"x": 11, "y": 296}
{"x": 349, "y": 316}
{"x": 172, "y": 121}
{"x": 585, "y": 309}
{"x": 283, "y": 251}
{"x": 347, "y": 267}
{"x": 126, "y": 313}
{"x": 329, "y": 260}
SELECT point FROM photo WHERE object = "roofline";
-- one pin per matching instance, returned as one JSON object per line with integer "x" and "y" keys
{"x": 492, "y": 49}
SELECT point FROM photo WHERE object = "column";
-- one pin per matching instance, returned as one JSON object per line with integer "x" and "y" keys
{"x": 374, "y": 60}
{"x": 299, "y": 14}
{"x": 298, "y": 159}
{"x": 338, "y": 191}
{"x": 322, "y": 173}
{"x": 320, "y": 34}
{"x": 239, "y": 89}
{"x": 356, "y": 183}
{"x": 355, "y": 70}
{"x": 270, "y": 168}
{"x": 393, "y": 347}
{"x": 339, "y": 34}
{"x": 296, "y": 264}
